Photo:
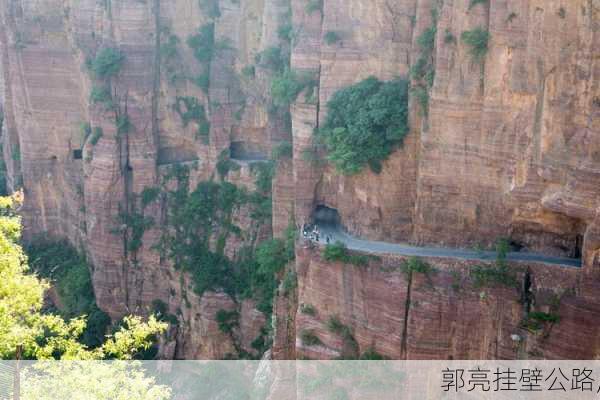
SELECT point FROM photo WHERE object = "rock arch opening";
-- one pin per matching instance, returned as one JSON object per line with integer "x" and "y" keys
{"x": 327, "y": 216}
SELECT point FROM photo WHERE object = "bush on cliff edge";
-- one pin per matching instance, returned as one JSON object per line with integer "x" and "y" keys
{"x": 365, "y": 123}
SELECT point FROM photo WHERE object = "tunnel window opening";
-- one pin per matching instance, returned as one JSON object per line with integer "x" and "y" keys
{"x": 77, "y": 154}
{"x": 246, "y": 151}
{"x": 577, "y": 250}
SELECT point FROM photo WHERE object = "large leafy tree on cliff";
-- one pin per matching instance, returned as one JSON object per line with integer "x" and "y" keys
{"x": 36, "y": 335}
{"x": 365, "y": 123}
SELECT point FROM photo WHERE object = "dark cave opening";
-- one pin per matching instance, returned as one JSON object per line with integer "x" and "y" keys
{"x": 246, "y": 151}
{"x": 326, "y": 216}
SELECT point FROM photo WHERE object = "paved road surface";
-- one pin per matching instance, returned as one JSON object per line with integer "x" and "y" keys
{"x": 353, "y": 243}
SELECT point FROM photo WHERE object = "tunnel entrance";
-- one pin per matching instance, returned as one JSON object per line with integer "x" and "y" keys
{"x": 326, "y": 216}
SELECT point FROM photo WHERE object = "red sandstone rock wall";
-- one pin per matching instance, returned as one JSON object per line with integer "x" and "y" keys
{"x": 442, "y": 315}
{"x": 510, "y": 148}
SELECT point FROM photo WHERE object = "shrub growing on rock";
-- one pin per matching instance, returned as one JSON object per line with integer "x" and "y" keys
{"x": 366, "y": 122}
{"x": 477, "y": 39}
{"x": 108, "y": 62}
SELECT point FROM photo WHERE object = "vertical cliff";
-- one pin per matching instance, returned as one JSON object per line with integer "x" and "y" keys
{"x": 501, "y": 145}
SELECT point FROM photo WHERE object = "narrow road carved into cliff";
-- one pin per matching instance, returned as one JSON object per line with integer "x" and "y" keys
{"x": 336, "y": 234}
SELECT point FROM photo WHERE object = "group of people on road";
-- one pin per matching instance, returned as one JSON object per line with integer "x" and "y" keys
{"x": 312, "y": 232}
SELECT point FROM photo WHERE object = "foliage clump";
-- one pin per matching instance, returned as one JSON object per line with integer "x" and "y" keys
{"x": 282, "y": 150}
{"x": 97, "y": 133}
{"x": 422, "y": 72}
{"x": 309, "y": 338}
{"x": 189, "y": 109}
{"x": 536, "y": 320}
{"x": 210, "y": 7}
{"x": 44, "y": 335}
{"x": 273, "y": 58}
{"x": 416, "y": 265}
{"x": 332, "y": 37}
{"x": 108, "y": 63}
{"x": 477, "y": 40}
{"x": 365, "y": 123}
{"x": 228, "y": 320}
{"x": 339, "y": 252}
{"x": 286, "y": 87}
{"x": 62, "y": 264}
{"x": 101, "y": 95}
{"x": 498, "y": 274}
{"x": 203, "y": 45}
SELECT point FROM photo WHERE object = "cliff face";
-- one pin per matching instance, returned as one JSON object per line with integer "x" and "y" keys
{"x": 442, "y": 313}
{"x": 506, "y": 147}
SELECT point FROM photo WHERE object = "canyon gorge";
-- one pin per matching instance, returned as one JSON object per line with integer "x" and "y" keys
{"x": 135, "y": 126}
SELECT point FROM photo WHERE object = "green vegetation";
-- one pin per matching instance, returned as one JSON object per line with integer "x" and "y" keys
{"x": 498, "y": 274}
{"x": 135, "y": 224}
{"x": 283, "y": 150}
{"x": 228, "y": 320}
{"x": 477, "y": 39}
{"x": 249, "y": 71}
{"x": 308, "y": 309}
{"x": 161, "y": 310}
{"x": 149, "y": 195}
{"x": 286, "y": 87}
{"x": 63, "y": 265}
{"x": 86, "y": 130}
{"x": 332, "y": 37}
{"x": 101, "y": 95}
{"x": 416, "y": 265}
{"x": 273, "y": 58}
{"x": 207, "y": 212}
{"x": 309, "y": 338}
{"x": 339, "y": 252}
{"x": 473, "y": 3}
{"x": 366, "y": 122}
{"x": 314, "y": 6}
{"x": 43, "y": 335}
{"x": 511, "y": 17}
{"x": 371, "y": 354}
{"x": 210, "y": 8}
{"x": 96, "y": 135}
{"x": 535, "y": 321}
{"x": 350, "y": 347}
{"x": 203, "y": 44}
{"x": 449, "y": 38}
{"x": 422, "y": 72}
{"x": 123, "y": 124}
{"x": 334, "y": 325}
{"x": 169, "y": 55}
{"x": 290, "y": 282}
{"x": 189, "y": 109}
{"x": 108, "y": 63}
{"x": 264, "y": 175}
{"x": 562, "y": 13}
{"x": 225, "y": 164}
{"x": 285, "y": 32}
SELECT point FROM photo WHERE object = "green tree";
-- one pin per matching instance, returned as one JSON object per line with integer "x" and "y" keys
{"x": 477, "y": 39}
{"x": 48, "y": 336}
{"x": 365, "y": 123}
{"x": 108, "y": 62}
{"x": 97, "y": 380}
